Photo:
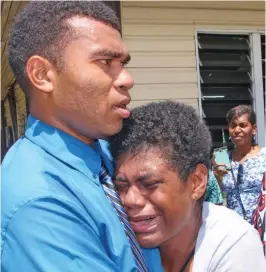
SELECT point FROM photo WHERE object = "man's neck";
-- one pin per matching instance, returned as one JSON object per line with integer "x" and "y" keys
{"x": 176, "y": 250}
{"x": 60, "y": 125}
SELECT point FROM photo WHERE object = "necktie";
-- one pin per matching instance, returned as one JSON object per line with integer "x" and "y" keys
{"x": 114, "y": 198}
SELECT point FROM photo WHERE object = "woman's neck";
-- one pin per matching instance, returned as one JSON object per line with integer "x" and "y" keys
{"x": 243, "y": 150}
{"x": 177, "y": 249}
{"x": 241, "y": 153}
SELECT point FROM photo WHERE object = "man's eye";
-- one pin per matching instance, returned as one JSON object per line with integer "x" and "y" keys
{"x": 105, "y": 61}
{"x": 124, "y": 64}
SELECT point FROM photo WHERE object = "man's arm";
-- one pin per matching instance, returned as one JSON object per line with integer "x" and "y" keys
{"x": 53, "y": 235}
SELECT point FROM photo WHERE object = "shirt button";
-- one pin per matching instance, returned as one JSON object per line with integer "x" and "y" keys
{"x": 94, "y": 176}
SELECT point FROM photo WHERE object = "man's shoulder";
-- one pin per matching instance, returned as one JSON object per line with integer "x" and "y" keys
{"x": 20, "y": 166}
{"x": 21, "y": 153}
{"x": 27, "y": 176}
{"x": 22, "y": 163}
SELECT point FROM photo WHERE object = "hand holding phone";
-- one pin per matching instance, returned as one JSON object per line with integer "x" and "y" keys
{"x": 220, "y": 165}
{"x": 222, "y": 158}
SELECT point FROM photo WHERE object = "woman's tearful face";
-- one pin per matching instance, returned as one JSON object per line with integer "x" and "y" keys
{"x": 157, "y": 201}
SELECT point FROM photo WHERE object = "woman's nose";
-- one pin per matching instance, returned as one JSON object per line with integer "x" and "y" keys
{"x": 237, "y": 129}
{"x": 133, "y": 198}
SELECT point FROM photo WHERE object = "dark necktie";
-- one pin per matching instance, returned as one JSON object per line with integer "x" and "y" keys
{"x": 114, "y": 198}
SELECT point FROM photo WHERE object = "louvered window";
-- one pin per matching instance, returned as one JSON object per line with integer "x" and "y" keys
{"x": 225, "y": 71}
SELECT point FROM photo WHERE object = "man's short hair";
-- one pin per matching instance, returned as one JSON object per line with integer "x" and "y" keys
{"x": 40, "y": 29}
{"x": 172, "y": 127}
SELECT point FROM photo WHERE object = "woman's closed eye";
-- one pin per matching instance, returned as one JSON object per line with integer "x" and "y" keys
{"x": 151, "y": 184}
{"x": 120, "y": 185}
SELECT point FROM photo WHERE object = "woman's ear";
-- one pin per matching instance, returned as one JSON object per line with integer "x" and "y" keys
{"x": 40, "y": 73}
{"x": 254, "y": 130}
{"x": 199, "y": 179}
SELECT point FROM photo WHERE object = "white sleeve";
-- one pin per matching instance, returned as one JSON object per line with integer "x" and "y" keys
{"x": 245, "y": 255}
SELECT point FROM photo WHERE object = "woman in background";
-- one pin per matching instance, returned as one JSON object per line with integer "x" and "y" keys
{"x": 248, "y": 163}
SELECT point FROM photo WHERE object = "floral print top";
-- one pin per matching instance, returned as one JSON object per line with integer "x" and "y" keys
{"x": 213, "y": 193}
{"x": 250, "y": 185}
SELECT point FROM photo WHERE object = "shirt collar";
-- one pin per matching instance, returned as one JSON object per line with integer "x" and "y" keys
{"x": 65, "y": 147}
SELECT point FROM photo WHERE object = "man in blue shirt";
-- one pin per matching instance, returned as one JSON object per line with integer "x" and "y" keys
{"x": 69, "y": 59}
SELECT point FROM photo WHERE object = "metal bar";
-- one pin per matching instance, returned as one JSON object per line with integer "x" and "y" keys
{"x": 201, "y": 114}
{"x": 251, "y": 93}
{"x": 258, "y": 87}
{"x": 230, "y": 31}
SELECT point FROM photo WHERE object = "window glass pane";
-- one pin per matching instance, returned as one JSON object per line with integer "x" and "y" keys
{"x": 224, "y": 60}
{"x": 224, "y": 42}
{"x": 263, "y": 46}
{"x": 224, "y": 77}
{"x": 226, "y": 92}
{"x": 218, "y": 110}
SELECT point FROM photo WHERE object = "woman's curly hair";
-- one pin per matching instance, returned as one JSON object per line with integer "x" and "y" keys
{"x": 172, "y": 127}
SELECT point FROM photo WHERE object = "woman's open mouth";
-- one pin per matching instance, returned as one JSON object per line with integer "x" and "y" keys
{"x": 145, "y": 224}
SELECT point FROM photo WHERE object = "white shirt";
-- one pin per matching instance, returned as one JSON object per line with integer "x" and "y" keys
{"x": 226, "y": 242}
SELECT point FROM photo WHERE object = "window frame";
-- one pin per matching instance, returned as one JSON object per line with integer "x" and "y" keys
{"x": 257, "y": 75}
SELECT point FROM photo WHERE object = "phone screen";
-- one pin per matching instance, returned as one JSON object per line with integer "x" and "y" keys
{"x": 222, "y": 157}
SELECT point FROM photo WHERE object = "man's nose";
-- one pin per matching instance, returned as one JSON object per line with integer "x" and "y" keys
{"x": 124, "y": 80}
{"x": 133, "y": 198}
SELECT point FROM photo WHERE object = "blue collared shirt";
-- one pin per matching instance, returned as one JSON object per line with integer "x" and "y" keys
{"x": 55, "y": 215}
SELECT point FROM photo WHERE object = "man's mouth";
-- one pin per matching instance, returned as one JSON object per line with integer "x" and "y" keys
{"x": 122, "y": 110}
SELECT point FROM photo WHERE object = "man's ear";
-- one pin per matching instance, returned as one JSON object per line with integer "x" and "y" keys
{"x": 40, "y": 73}
{"x": 199, "y": 179}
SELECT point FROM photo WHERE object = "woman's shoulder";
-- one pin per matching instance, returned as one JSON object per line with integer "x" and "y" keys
{"x": 262, "y": 152}
{"x": 259, "y": 161}
{"x": 221, "y": 225}
{"x": 222, "y": 230}
{"x": 219, "y": 217}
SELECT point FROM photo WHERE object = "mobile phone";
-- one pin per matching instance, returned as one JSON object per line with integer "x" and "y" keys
{"x": 222, "y": 157}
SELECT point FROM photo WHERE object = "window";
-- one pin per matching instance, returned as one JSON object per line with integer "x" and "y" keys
{"x": 227, "y": 78}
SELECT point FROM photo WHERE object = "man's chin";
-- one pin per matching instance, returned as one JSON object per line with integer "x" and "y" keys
{"x": 114, "y": 129}
{"x": 111, "y": 130}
